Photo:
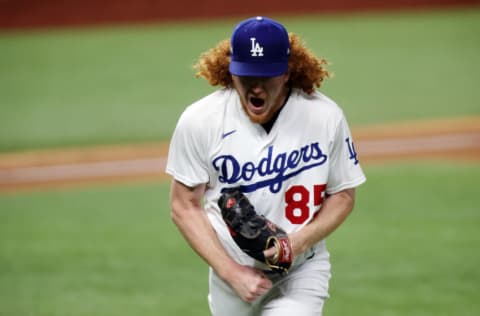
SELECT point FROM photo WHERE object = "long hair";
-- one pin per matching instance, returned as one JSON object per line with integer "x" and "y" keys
{"x": 306, "y": 70}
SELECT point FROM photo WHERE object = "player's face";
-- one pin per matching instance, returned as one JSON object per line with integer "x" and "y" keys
{"x": 261, "y": 97}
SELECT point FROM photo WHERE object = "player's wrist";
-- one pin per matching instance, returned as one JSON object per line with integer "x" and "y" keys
{"x": 298, "y": 243}
{"x": 227, "y": 270}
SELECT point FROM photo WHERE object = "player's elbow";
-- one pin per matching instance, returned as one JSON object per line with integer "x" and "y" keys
{"x": 184, "y": 201}
{"x": 182, "y": 213}
{"x": 347, "y": 198}
{"x": 176, "y": 212}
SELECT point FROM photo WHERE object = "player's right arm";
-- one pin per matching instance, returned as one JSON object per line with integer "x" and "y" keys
{"x": 190, "y": 218}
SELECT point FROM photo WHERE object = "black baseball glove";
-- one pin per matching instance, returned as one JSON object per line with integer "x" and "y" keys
{"x": 254, "y": 233}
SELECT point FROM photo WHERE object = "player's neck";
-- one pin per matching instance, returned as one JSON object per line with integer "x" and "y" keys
{"x": 269, "y": 125}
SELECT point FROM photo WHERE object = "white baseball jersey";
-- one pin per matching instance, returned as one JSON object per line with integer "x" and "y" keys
{"x": 284, "y": 173}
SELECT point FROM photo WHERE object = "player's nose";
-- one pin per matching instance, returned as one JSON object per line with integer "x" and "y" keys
{"x": 257, "y": 85}
{"x": 256, "y": 89}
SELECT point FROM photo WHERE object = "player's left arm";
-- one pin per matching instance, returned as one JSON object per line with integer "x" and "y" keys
{"x": 338, "y": 205}
{"x": 335, "y": 209}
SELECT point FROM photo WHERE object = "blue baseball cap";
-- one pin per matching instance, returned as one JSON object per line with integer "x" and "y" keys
{"x": 259, "y": 48}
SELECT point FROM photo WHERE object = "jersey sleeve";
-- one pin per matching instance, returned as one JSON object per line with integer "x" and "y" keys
{"x": 187, "y": 153}
{"x": 345, "y": 171}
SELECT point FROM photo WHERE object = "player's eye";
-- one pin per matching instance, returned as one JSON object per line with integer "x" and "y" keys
{"x": 252, "y": 81}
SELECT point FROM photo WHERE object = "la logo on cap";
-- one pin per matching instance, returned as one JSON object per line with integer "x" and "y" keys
{"x": 259, "y": 47}
{"x": 256, "y": 50}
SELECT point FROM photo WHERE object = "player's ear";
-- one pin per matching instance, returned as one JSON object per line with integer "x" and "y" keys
{"x": 286, "y": 77}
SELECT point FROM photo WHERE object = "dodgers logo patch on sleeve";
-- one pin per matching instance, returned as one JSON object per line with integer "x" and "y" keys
{"x": 351, "y": 151}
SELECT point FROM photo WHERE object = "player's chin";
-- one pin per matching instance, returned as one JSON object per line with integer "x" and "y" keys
{"x": 257, "y": 114}
{"x": 259, "y": 119}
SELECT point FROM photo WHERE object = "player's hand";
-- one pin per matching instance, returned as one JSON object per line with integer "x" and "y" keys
{"x": 249, "y": 283}
{"x": 273, "y": 251}
{"x": 270, "y": 252}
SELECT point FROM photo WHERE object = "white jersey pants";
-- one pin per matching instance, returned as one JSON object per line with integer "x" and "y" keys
{"x": 301, "y": 292}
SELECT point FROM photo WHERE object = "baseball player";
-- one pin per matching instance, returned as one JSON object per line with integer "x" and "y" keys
{"x": 286, "y": 147}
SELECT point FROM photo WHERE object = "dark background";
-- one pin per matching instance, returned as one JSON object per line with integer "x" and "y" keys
{"x": 24, "y": 14}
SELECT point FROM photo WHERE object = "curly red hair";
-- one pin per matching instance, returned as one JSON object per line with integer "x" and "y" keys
{"x": 306, "y": 70}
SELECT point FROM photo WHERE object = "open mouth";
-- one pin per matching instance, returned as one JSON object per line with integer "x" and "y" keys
{"x": 257, "y": 102}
